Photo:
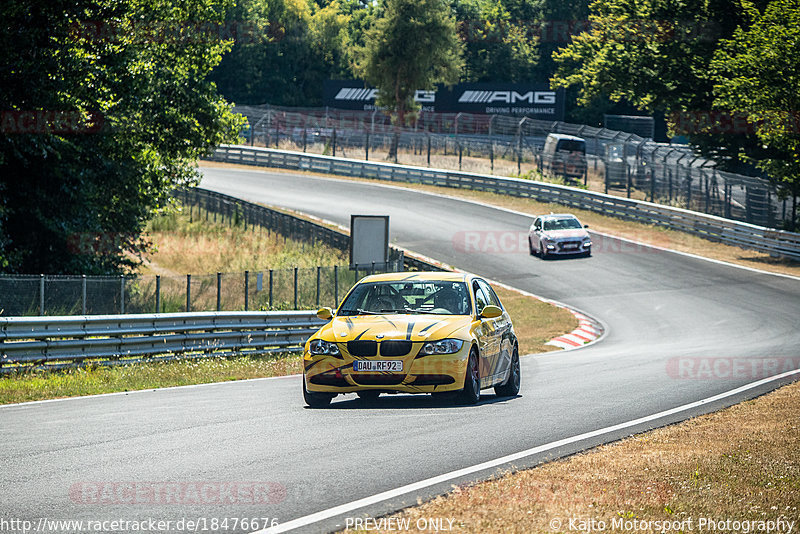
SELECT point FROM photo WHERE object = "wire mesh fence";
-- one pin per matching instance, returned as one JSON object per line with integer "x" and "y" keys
{"x": 270, "y": 289}
{"x": 615, "y": 162}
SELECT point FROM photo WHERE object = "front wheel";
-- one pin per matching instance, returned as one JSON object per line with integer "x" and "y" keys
{"x": 511, "y": 387}
{"x": 316, "y": 400}
{"x": 471, "y": 393}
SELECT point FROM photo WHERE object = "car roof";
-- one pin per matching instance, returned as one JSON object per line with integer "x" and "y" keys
{"x": 558, "y": 216}
{"x": 565, "y": 136}
{"x": 437, "y": 276}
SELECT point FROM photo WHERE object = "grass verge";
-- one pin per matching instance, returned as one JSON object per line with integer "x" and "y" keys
{"x": 649, "y": 234}
{"x": 739, "y": 464}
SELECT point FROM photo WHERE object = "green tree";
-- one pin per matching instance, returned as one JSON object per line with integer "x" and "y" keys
{"x": 757, "y": 73}
{"x": 106, "y": 109}
{"x": 412, "y": 45}
{"x": 497, "y": 47}
{"x": 656, "y": 55}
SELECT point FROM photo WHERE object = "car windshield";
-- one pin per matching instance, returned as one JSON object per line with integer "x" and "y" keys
{"x": 405, "y": 296}
{"x": 570, "y": 145}
{"x": 562, "y": 224}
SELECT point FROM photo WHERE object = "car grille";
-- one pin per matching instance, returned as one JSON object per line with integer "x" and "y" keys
{"x": 378, "y": 379}
{"x": 569, "y": 245}
{"x": 395, "y": 348}
{"x": 328, "y": 380}
{"x": 390, "y": 348}
{"x": 433, "y": 380}
{"x": 362, "y": 348}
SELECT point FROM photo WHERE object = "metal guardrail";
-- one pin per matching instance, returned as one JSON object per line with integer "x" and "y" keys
{"x": 107, "y": 340}
{"x": 713, "y": 228}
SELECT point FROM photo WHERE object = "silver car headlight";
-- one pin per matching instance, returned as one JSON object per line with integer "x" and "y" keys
{"x": 319, "y": 347}
{"x": 445, "y": 346}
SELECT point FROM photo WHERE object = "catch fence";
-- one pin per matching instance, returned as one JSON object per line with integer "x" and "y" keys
{"x": 616, "y": 162}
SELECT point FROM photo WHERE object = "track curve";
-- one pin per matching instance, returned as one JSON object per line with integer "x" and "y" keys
{"x": 662, "y": 310}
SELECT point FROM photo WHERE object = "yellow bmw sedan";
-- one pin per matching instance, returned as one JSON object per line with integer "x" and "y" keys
{"x": 421, "y": 332}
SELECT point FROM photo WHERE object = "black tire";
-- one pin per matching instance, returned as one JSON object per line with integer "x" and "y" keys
{"x": 511, "y": 387}
{"x": 471, "y": 393}
{"x": 316, "y": 400}
{"x": 369, "y": 395}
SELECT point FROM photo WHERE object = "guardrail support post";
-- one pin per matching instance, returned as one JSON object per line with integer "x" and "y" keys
{"x": 121, "y": 294}
{"x": 83, "y": 294}
{"x": 158, "y": 293}
{"x": 270, "y": 289}
{"x": 366, "y": 148}
{"x": 219, "y": 291}
{"x": 188, "y": 293}
{"x": 295, "y": 288}
{"x": 246, "y": 289}
{"x": 429, "y": 150}
{"x": 41, "y": 294}
{"x": 319, "y": 270}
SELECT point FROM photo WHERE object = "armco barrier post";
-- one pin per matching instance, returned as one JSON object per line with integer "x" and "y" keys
{"x": 270, "y": 289}
{"x": 158, "y": 293}
{"x": 219, "y": 291}
{"x": 319, "y": 269}
{"x": 188, "y": 293}
{"x": 83, "y": 294}
{"x": 41, "y": 294}
{"x": 295, "y": 288}
{"x": 336, "y": 285}
{"x": 246, "y": 290}
{"x": 121, "y": 294}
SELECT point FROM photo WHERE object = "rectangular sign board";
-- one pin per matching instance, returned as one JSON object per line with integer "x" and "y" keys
{"x": 534, "y": 100}
{"x": 369, "y": 241}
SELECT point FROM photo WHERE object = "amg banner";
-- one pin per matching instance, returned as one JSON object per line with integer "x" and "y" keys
{"x": 535, "y": 100}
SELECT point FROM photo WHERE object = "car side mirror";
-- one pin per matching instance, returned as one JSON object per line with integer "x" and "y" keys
{"x": 490, "y": 311}
{"x": 325, "y": 313}
{"x": 586, "y": 226}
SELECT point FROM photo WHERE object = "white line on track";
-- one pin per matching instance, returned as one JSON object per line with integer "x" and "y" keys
{"x": 422, "y": 484}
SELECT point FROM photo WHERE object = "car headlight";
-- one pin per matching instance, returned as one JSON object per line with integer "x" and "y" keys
{"x": 445, "y": 346}
{"x": 319, "y": 347}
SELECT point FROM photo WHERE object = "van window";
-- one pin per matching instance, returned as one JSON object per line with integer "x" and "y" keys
{"x": 571, "y": 145}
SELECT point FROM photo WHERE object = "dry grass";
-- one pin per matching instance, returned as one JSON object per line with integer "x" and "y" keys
{"x": 535, "y": 322}
{"x": 204, "y": 246}
{"x": 644, "y": 233}
{"x": 742, "y": 463}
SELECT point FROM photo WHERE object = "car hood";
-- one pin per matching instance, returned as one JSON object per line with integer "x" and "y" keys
{"x": 569, "y": 234}
{"x": 416, "y": 327}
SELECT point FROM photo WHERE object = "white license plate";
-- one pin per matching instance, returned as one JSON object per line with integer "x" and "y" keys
{"x": 570, "y": 245}
{"x": 371, "y": 366}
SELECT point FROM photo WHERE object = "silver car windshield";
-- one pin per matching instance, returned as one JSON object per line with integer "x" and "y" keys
{"x": 417, "y": 296}
{"x": 562, "y": 224}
